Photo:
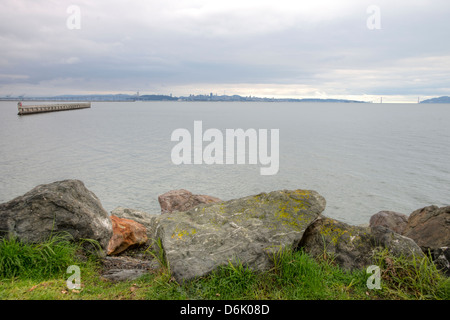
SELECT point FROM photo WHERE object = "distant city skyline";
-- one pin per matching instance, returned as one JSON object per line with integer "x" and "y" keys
{"x": 351, "y": 49}
{"x": 200, "y": 97}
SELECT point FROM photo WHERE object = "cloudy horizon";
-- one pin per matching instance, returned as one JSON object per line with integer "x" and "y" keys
{"x": 281, "y": 49}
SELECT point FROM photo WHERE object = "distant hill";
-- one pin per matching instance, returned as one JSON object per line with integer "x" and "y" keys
{"x": 156, "y": 97}
{"x": 444, "y": 99}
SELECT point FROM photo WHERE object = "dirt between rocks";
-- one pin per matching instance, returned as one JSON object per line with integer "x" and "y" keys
{"x": 123, "y": 268}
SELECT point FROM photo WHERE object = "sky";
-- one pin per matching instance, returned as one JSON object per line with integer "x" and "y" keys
{"x": 349, "y": 49}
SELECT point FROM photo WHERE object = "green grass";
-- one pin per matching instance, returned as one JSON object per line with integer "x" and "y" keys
{"x": 36, "y": 261}
{"x": 416, "y": 278}
{"x": 30, "y": 271}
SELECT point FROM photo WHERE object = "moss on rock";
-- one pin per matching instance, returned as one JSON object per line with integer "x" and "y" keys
{"x": 250, "y": 229}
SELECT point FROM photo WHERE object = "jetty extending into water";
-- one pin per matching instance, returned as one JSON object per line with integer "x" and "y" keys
{"x": 23, "y": 110}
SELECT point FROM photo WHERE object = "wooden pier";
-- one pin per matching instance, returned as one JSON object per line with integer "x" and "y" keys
{"x": 23, "y": 110}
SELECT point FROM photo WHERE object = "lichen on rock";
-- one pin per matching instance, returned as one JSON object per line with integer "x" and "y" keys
{"x": 248, "y": 229}
{"x": 352, "y": 247}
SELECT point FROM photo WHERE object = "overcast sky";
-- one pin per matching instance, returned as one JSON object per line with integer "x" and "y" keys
{"x": 282, "y": 48}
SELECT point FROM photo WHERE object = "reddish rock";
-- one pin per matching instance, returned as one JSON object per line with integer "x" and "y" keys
{"x": 389, "y": 219}
{"x": 429, "y": 227}
{"x": 126, "y": 233}
{"x": 182, "y": 200}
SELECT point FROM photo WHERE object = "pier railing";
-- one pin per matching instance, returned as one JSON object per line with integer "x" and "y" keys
{"x": 23, "y": 110}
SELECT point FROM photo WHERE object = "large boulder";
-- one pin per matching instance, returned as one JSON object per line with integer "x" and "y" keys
{"x": 126, "y": 234}
{"x": 392, "y": 220}
{"x": 182, "y": 200}
{"x": 429, "y": 227}
{"x": 352, "y": 247}
{"x": 248, "y": 230}
{"x": 62, "y": 206}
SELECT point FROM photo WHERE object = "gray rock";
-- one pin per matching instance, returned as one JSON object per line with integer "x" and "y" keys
{"x": 393, "y": 220}
{"x": 397, "y": 244}
{"x": 441, "y": 257}
{"x": 247, "y": 230}
{"x": 137, "y": 215}
{"x": 429, "y": 227}
{"x": 143, "y": 262}
{"x": 123, "y": 268}
{"x": 117, "y": 275}
{"x": 352, "y": 247}
{"x": 56, "y": 207}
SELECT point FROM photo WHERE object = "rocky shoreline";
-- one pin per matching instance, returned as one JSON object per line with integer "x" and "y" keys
{"x": 199, "y": 233}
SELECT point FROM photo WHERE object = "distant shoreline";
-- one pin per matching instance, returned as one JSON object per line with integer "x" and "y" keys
{"x": 193, "y": 98}
{"x": 134, "y": 98}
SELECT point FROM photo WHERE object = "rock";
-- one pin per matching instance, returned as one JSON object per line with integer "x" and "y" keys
{"x": 389, "y": 219}
{"x": 397, "y": 244}
{"x": 182, "y": 200}
{"x": 247, "y": 230}
{"x": 352, "y": 247}
{"x": 441, "y": 257}
{"x": 132, "y": 214}
{"x": 144, "y": 218}
{"x": 62, "y": 206}
{"x": 117, "y": 275}
{"x": 125, "y": 268}
{"x": 127, "y": 262}
{"x": 126, "y": 233}
{"x": 429, "y": 227}
{"x": 349, "y": 245}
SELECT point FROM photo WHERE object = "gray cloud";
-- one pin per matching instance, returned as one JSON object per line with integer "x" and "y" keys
{"x": 258, "y": 45}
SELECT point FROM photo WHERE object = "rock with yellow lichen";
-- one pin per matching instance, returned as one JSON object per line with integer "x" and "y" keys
{"x": 248, "y": 230}
{"x": 353, "y": 247}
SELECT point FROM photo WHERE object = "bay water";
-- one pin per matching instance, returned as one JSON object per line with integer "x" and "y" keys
{"x": 363, "y": 158}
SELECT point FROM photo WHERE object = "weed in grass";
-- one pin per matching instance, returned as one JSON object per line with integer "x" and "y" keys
{"x": 412, "y": 278}
{"x": 158, "y": 254}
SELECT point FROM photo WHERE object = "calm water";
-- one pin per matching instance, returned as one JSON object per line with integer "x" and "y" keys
{"x": 362, "y": 158}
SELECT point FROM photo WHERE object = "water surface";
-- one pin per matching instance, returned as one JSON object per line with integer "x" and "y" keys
{"x": 362, "y": 158}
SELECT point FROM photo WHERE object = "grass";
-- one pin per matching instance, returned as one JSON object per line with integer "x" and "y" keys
{"x": 36, "y": 261}
{"x": 38, "y": 271}
{"x": 416, "y": 278}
